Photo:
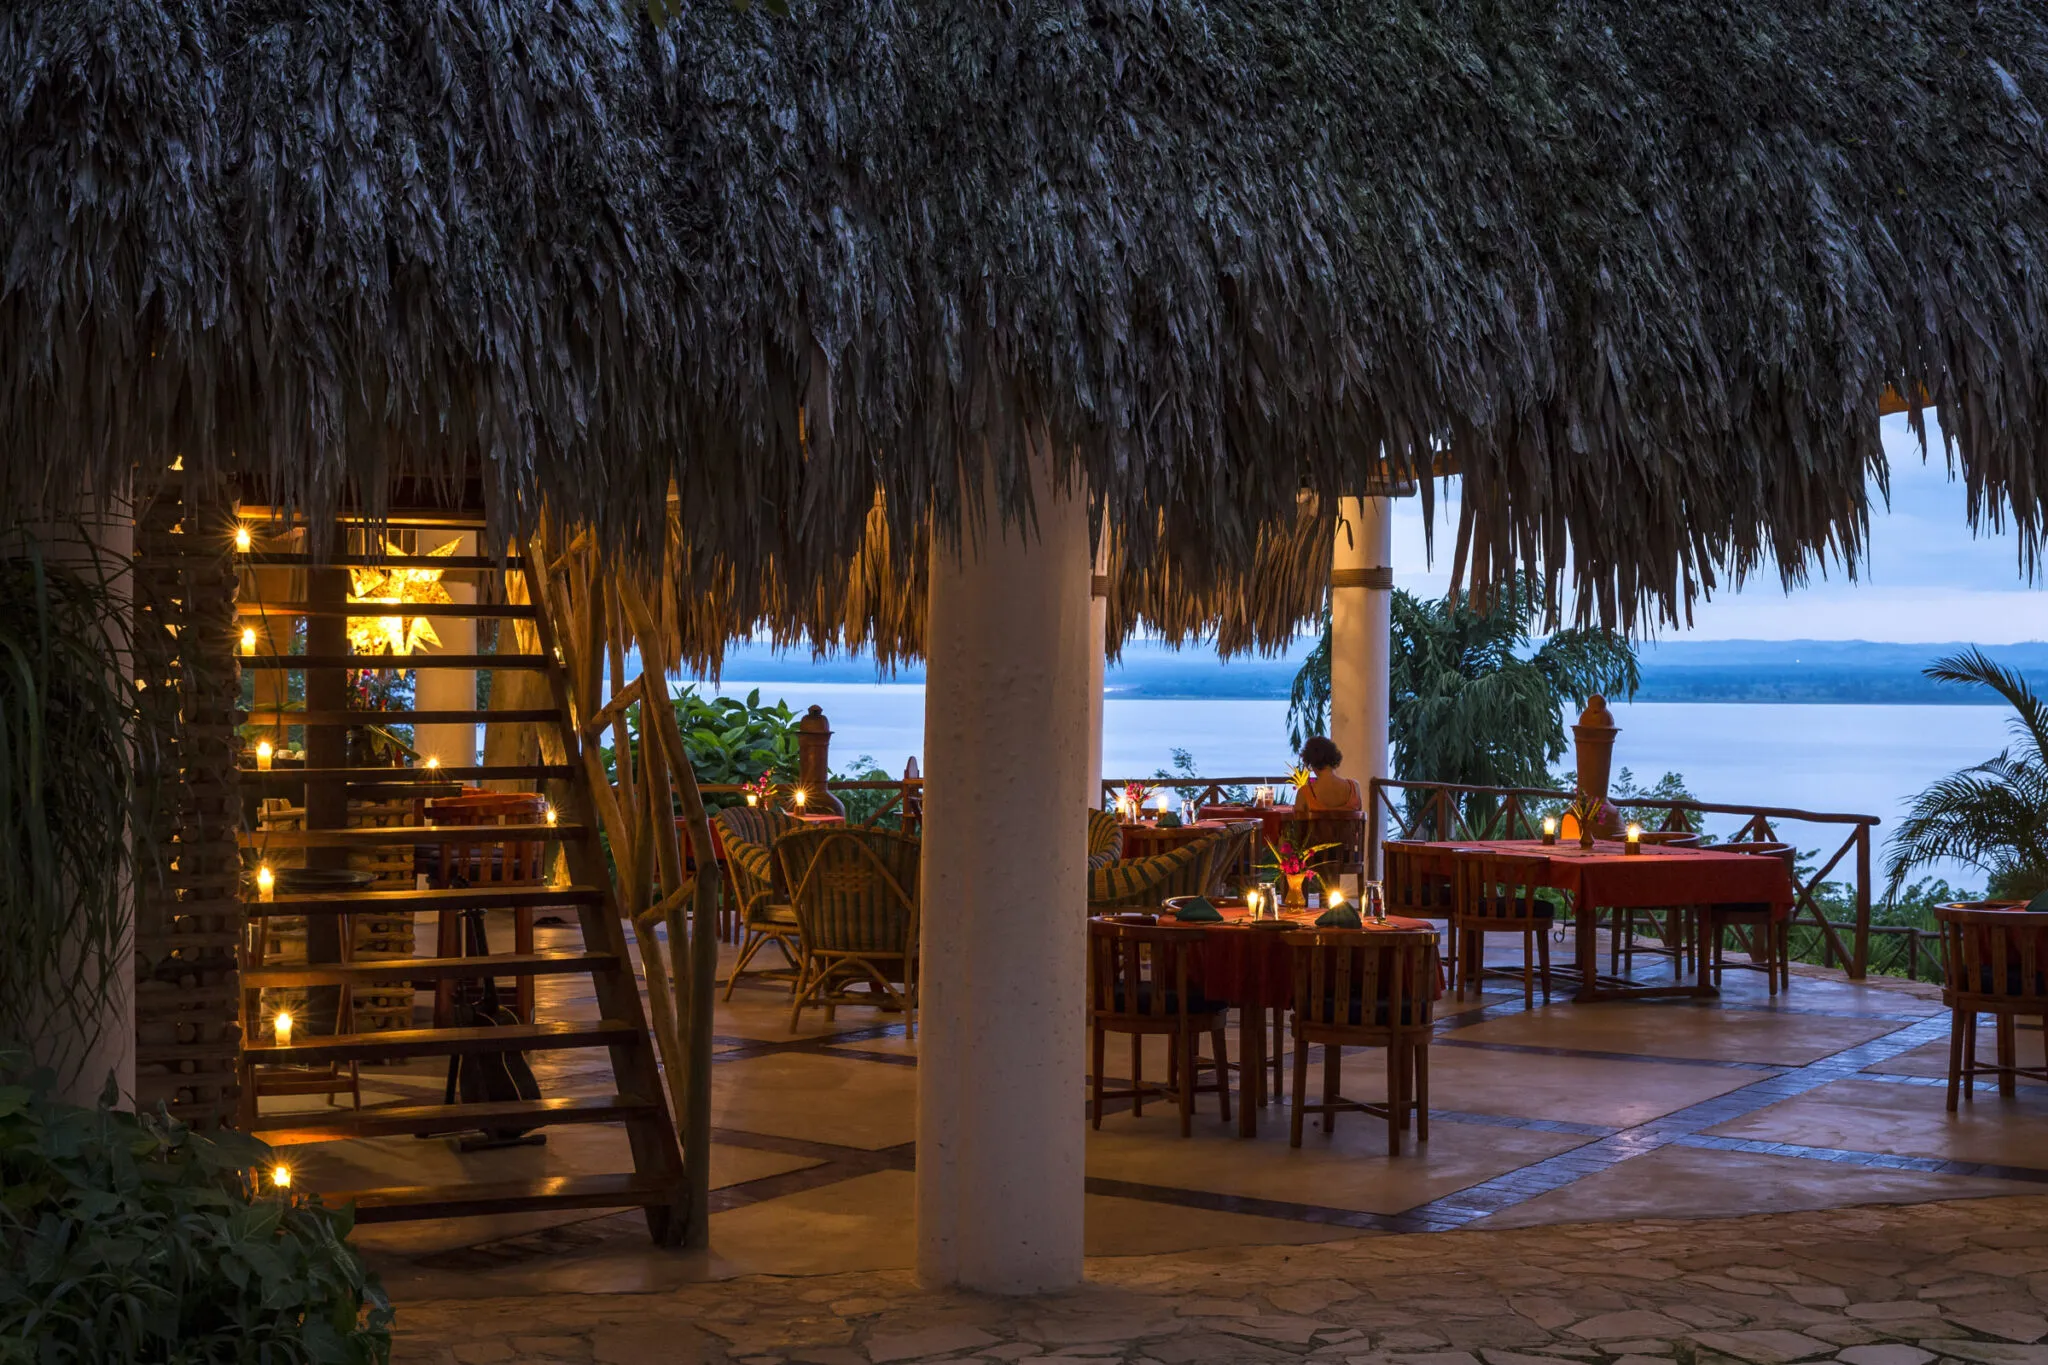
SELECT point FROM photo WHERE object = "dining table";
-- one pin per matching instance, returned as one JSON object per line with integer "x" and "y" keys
{"x": 1607, "y": 876}
{"x": 1246, "y": 963}
{"x": 1143, "y": 839}
{"x": 1273, "y": 820}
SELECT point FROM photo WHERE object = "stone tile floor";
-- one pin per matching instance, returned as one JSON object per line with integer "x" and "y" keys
{"x": 1575, "y": 1122}
{"x": 1907, "y": 1285}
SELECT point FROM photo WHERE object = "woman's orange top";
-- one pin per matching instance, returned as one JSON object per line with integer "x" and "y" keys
{"x": 1311, "y": 803}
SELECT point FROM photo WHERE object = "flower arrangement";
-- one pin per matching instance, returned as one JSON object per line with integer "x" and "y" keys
{"x": 1288, "y": 861}
{"x": 1586, "y": 816}
{"x": 1132, "y": 803}
{"x": 1300, "y": 777}
{"x": 759, "y": 791}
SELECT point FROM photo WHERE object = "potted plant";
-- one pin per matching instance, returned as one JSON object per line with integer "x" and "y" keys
{"x": 1293, "y": 866}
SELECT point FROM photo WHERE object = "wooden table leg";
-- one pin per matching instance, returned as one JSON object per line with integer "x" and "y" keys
{"x": 1251, "y": 1068}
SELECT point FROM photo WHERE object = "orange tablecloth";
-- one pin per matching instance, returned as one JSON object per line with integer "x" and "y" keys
{"x": 1240, "y": 964}
{"x": 1658, "y": 876}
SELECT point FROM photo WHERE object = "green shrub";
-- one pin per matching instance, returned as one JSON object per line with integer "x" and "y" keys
{"x": 129, "y": 1237}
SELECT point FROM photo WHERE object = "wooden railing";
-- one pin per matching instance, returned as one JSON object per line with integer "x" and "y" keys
{"x": 1440, "y": 810}
{"x": 902, "y": 790}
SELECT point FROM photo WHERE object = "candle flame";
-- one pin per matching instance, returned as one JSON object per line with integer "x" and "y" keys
{"x": 283, "y": 1028}
{"x": 1336, "y": 896}
{"x": 433, "y": 761}
{"x": 281, "y": 1176}
{"x": 551, "y": 816}
{"x": 248, "y": 639}
{"x": 242, "y": 540}
{"x": 1635, "y": 831}
{"x": 1550, "y": 824}
{"x": 263, "y": 748}
{"x": 799, "y": 796}
{"x": 265, "y": 881}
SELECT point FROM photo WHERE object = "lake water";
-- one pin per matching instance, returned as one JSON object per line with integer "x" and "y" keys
{"x": 1865, "y": 760}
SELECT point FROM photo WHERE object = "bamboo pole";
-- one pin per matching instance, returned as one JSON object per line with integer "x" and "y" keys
{"x": 661, "y": 722}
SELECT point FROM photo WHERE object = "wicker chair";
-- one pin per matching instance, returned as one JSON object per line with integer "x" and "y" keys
{"x": 1496, "y": 893}
{"x": 749, "y": 834}
{"x": 1994, "y": 961}
{"x": 1344, "y": 828}
{"x": 1365, "y": 990}
{"x": 1769, "y": 928}
{"x": 1138, "y": 984}
{"x": 855, "y": 893}
{"x": 1105, "y": 839}
{"x": 1190, "y": 870}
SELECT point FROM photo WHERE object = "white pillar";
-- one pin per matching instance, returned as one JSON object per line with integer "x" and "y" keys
{"x": 1002, "y": 979}
{"x": 450, "y": 689}
{"x": 1098, "y": 669}
{"x": 1361, "y": 593}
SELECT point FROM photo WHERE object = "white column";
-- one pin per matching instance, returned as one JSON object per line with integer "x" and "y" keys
{"x": 1361, "y": 593}
{"x": 1098, "y": 669}
{"x": 1002, "y": 978}
{"x": 449, "y": 689}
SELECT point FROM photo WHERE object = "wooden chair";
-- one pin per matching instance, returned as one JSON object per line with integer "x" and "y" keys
{"x": 487, "y": 862}
{"x": 1139, "y": 983}
{"x": 1412, "y": 891}
{"x": 1995, "y": 962}
{"x": 855, "y": 894}
{"x": 1767, "y": 928}
{"x": 1344, "y": 828}
{"x": 1230, "y": 862}
{"x": 752, "y": 879}
{"x": 1496, "y": 893}
{"x": 1674, "y": 927}
{"x": 1354, "y": 989}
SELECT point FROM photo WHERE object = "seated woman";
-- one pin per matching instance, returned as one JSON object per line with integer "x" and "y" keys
{"x": 1326, "y": 791}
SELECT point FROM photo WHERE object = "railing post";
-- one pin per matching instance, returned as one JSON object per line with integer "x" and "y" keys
{"x": 1374, "y": 794}
{"x": 1861, "y": 965}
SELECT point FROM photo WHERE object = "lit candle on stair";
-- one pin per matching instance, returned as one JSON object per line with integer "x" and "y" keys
{"x": 281, "y": 1176}
{"x": 242, "y": 539}
{"x": 264, "y": 753}
{"x": 248, "y": 641}
{"x": 266, "y": 883}
{"x": 283, "y": 1028}
{"x": 551, "y": 817}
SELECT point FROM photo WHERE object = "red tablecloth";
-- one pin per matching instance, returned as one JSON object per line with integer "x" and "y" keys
{"x": 1249, "y": 966}
{"x": 1272, "y": 819}
{"x": 1143, "y": 840}
{"x": 1658, "y": 876}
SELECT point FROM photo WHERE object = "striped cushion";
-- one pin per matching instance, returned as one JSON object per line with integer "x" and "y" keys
{"x": 1148, "y": 881}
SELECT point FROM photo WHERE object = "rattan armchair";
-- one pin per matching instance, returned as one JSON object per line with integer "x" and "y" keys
{"x": 1193, "y": 869}
{"x": 855, "y": 894}
{"x": 1105, "y": 838}
{"x": 749, "y": 834}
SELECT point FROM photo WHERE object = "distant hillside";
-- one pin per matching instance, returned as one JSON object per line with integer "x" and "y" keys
{"x": 1819, "y": 671}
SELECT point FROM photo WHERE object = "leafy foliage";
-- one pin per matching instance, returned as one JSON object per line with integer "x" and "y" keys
{"x": 730, "y": 742}
{"x": 1994, "y": 816}
{"x": 67, "y": 790}
{"x": 1186, "y": 781}
{"x": 862, "y": 803}
{"x": 1475, "y": 700}
{"x": 129, "y": 1237}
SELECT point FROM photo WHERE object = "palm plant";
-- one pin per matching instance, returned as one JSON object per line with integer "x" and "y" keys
{"x": 1475, "y": 700}
{"x": 1993, "y": 816}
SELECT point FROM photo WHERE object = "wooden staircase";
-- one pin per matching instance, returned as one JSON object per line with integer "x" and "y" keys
{"x": 638, "y": 1101}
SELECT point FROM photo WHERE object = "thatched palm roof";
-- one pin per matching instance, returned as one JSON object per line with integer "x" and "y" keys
{"x": 1639, "y": 272}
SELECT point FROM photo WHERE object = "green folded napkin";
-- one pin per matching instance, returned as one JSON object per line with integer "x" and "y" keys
{"x": 1196, "y": 908}
{"x": 1340, "y": 917}
{"x": 1168, "y": 820}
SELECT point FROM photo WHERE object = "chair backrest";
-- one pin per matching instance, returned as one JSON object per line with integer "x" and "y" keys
{"x": 1344, "y": 828}
{"x": 1137, "y": 972}
{"x": 1105, "y": 838}
{"x": 854, "y": 889}
{"x": 1496, "y": 886}
{"x": 1344, "y": 978}
{"x": 1409, "y": 888}
{"x": 1995, "y": 954}
{"x": 761, "y": 825}
{"x": 486, "y": 861}
{"x": 1229, "y": 857}
{"x": 1671, "y": 838}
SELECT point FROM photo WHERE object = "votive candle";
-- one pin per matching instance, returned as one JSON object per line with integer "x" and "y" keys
{"x": 266, "y": 883}
{"x": 248, "y": 641}
{"x": 264, "y": 753}
{"x": 1634, "y": 842}
{"x": 283, "y": 1028}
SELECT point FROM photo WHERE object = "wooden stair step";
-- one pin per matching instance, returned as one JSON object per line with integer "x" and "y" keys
{"x": 410, "y": 901}
{"x": 327, "y": 1125}
{"x": 363, "y": 611}
{"x": 278, "y": 559}
{"x": 427, "y": 969}
{"x": 273, "y": 715}
{"x": 383, "y": 836}
{"x": 552, "y": 1036}
{"x": 295, "y": 662}
{"x": 407, "y": 777}
{"x": 611, "y": 1191}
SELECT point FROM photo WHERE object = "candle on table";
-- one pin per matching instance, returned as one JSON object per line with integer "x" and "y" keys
{"x": 799, "y": 796}
{"x": 1635, "y": 840}
{"x": 283, "y": 1028}
{"x": 1550, "y": 829}
{"x": 752, "y": 799}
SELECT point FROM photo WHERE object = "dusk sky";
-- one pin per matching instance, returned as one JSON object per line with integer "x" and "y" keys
{"x": 1927, "y": 577}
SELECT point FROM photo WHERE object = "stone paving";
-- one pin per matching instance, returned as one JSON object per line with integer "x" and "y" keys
{"x": 1962, "y": 1281}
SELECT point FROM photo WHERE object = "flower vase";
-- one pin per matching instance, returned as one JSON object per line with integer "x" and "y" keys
{"x": 1296, "y": 899}
{"x": 1586, "y": 835}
